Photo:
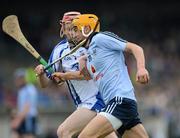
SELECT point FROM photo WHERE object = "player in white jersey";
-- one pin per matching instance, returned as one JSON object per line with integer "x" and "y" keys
{"x": 105, "y": 64}
{"x": 84, "y": 93}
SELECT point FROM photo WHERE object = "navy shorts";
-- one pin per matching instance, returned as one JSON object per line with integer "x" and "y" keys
{"x": 125, "y": 110}
{"x": 28, "y": 126}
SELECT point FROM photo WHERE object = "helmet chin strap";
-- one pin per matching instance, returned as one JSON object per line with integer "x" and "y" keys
{"x": 86, "y": 35}
{"x": 61, "y": 33}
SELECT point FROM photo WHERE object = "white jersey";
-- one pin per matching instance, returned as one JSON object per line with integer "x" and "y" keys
{"x": 82, "y": 91}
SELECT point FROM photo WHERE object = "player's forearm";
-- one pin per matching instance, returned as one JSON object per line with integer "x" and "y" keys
{"x": 138, "y": 53}
{"x": 83, "y": 69}
{"x": 43, "y": 80}
{"x": 23, "y": 114}
{"x": 75, "y": 75}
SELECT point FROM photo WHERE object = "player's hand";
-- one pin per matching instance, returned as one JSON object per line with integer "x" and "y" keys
{"x": 39, "y": 70}
{"x": 142, "y": 76}
{"x": 15, "y": 123}
{"x": 82, "y": 62}
{"x": 58, "y": 76}
{"x": 83, "y": 69}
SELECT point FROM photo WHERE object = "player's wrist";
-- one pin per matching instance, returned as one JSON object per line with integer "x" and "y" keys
{"x": 140, "y": 66}
{"x": 40, "y": 75}
{"x": 64, "y": 76}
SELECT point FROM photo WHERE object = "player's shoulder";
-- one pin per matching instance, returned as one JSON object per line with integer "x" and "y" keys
{"x": 62, "y": 44}
{"x": 106, "y": 38}
{"x": 100, "y": 38}
{"x": 31, "y": 88}
{"x": 106, "y": 35}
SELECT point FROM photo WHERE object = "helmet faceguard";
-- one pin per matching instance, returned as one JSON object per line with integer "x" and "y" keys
{"x": 67, "y": 18}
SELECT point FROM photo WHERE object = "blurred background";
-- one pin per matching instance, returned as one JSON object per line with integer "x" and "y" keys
{"x": 151, "y": 24}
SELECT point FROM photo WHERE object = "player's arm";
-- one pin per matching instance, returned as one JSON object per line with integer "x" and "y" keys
{"x": 83, "y": 67}
{"x": 43, "y": 80}
{"x": 20, "y": 116}
{"x": 142, "y": 75}
{"x": 71, "y": 75}
{"x": 82, "y": 74}
{"x": 24, "y": 112}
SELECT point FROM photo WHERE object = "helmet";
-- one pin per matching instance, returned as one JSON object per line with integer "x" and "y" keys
{"x": 87, "y": 19}
{"x": 67, "y": 18}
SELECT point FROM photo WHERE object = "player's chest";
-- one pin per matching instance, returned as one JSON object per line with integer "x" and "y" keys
{"x": 70, "y": 63}
{"x": 95, "y": 56}
{"x": 94, "y": 60}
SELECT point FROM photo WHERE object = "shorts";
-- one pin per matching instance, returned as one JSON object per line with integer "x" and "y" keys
{"x": 28, "y": 126}
{"x": 94, "y": 103}
{"x": 125, "y": 110}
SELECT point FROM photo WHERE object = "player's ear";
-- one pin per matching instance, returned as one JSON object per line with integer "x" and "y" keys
{"x": 87, "y": 29}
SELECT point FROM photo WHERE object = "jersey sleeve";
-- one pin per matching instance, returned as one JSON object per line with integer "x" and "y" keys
{"x": 55, "y": 54}
{"x": 49, "y": 62}
{"x": 111, "y": 41}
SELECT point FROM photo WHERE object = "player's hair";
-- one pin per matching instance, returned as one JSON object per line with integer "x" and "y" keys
{"x": 87, "y": 19}
{"x": 67, "y": 18}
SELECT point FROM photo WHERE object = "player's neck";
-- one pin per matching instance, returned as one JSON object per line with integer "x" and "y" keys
{"x": 89, "y": 39}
